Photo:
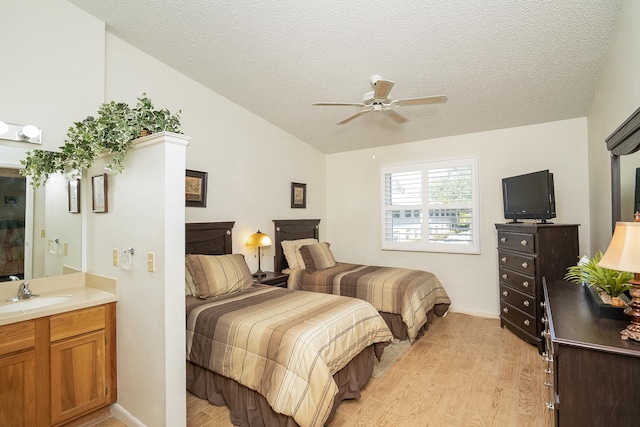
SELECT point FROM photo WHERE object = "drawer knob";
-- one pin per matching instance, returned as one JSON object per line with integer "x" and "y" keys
{"x": 526, "y": 322}
{"x": 525, "y": 265}
{"x": 524, "y": 243}
{"x": 526, "y": 303}
{"x": 525, "y": 284}
{"x": 504, "y": 276}
{"x": 506, "y": 310}
{"x": 543, "y": 304}
{"x": 503, "y": 259}
{"x": 543, "y": 320}
{"x": 505, "y": 293}
{"x": 547, "y": 383}
{"x": 503, "y": 240}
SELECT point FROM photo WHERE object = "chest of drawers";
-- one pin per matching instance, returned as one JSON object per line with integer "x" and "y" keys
{"x": 527, "y": 252}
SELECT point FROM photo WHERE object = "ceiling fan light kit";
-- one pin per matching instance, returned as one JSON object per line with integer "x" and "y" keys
{"x": 378, "y": 100}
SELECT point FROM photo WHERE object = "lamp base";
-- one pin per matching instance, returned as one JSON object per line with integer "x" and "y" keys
{"x": 632, "y": 331}
{"x": 259, "y": 274}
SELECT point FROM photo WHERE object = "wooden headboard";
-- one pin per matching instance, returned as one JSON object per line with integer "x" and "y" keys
{"x": 208, "y": 238}
{"x": 292, "y": 229}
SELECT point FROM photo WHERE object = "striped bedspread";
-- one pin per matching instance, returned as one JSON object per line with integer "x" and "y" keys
{"x": 285, "y": 345}
{"x": 409, "y": 293}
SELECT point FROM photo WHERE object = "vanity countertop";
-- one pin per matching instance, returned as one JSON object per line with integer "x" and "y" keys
{"x": 86, "y": 290}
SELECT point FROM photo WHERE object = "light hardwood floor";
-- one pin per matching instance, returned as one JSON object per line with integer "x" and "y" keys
{"x": 465, "y": 371}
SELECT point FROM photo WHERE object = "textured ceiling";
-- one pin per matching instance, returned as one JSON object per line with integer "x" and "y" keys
{"x": 501, "y": 63}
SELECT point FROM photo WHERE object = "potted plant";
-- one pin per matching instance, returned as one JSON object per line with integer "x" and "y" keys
{"x": 112, "y": 131}
{"x": 611, "y": 283}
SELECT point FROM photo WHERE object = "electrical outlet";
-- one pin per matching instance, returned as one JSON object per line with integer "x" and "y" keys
{"x": 115, "y": 257}
{"x": 151, "y": 262}
{"x": 65, "y": 247}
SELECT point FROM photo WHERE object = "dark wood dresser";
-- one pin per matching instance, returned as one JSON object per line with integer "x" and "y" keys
{"x": 591, "y": 374}
{"x": 527, "y": 252}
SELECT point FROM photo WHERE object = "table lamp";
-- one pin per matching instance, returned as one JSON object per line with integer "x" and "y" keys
{"x": 623, "y": 254}
{"x": 259, "y": 240}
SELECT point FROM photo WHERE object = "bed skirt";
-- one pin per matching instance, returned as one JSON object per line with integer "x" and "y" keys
{"x": 399, "y": 328}
{"x": 249, "y": 408}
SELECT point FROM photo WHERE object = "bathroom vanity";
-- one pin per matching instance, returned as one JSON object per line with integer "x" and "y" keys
{"x": 58, "y": 363}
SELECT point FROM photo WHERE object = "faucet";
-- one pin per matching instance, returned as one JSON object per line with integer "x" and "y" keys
{"x": 23, "y": 292}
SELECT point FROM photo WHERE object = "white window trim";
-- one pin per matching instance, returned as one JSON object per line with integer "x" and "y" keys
{"x": 424, "y": 245}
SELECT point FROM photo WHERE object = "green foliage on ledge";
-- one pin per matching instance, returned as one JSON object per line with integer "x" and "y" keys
{"x": 612, "y": 282}
{"x": 111, "y": 132}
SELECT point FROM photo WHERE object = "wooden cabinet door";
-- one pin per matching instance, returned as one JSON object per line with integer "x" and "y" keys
{"x": 77, "y": 376}
{"x": 18, "y": 390}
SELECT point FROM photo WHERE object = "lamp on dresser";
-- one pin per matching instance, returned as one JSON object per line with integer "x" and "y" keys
{"x": 623, "y": 254}
{"x": 259, "y": 240}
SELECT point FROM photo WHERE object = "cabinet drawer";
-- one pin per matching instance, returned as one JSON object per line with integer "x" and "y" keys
{"x": 521, "y": 263}
{"x": 17, "y": 336}
{"x": 524, "y": 302}
{"x": 77, "y": 322}
{"x": 520, "y": 282}
{"x": 521, "y": 242}
{"x": 518, "y": 318}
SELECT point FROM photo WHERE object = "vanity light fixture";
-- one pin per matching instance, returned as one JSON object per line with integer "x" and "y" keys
{"x": 20, "y": 133}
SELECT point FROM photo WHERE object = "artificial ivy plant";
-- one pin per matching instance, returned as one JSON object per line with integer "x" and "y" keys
{"x": 111, "y": 132}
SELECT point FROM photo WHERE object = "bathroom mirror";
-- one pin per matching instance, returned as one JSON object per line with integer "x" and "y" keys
{"x": 39, "y": 236}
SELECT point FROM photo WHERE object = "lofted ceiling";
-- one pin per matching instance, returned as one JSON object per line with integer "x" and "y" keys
{"x": 501, "y": 63}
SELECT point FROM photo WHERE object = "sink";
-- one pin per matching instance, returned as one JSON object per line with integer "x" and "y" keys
{"x": 30, "y": 304}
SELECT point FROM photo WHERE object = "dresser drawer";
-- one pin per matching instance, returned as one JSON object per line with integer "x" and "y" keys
{"x": 521, "y": 263}
{"x": 521, "y": 242}
{"x": 17, "y": 336}
{"x": 520, "y": 282}
{"x": 524, "y": 302}
{"x": 518, "y": 318}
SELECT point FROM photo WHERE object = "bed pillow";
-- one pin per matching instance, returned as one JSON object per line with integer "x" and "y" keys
{"x": 317, "y": 256}
{"x": 189, "y": 286}
{"x": 291, "y": 251}
{"x": 215, "y": 275}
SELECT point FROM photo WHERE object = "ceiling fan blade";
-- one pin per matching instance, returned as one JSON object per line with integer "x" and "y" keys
{"x": 382, "y": 89}
{"x": 339, "y": 104}
{"x": 354, "y": 116}
{"x": 395, "y": 116}
{"x": 437, "y": 99}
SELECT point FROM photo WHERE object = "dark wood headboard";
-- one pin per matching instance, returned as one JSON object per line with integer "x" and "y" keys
{"x": 292, "y": 229}
{"x": 208, "y": 238}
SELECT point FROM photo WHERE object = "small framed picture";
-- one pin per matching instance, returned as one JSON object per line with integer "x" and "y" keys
{"x": 74, "y": 195}
{"x": 195, "y": 189}
{"x": 298, "y": 195}
{"x": 10, "y": 201}
{"x": 99, "y": 192}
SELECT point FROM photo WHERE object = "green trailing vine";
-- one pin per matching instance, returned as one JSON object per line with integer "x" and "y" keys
{"x": 111, "y": 132}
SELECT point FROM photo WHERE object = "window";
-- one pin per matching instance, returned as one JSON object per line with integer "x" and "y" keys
{"x": 431, "y": 206}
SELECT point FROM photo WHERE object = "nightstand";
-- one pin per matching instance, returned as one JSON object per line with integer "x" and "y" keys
{"x": 273, "y": 279}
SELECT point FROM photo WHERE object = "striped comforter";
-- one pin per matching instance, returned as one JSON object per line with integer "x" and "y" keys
{"x": 285, "y": 345}
{"x": 409, "y": 293}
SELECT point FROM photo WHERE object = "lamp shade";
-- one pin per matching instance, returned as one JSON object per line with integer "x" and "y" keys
{"x": 259, "y": 239}
{"x": 623, "y": 253}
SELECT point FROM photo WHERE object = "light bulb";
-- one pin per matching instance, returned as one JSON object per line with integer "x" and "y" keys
{"x": 30, "y": 131}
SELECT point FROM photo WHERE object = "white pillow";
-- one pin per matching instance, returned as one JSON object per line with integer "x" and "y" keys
{"x": 291, "y": 251}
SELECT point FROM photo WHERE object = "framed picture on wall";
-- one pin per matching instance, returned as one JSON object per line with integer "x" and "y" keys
{"x": 74, "y": 195}
{"x": 99, "y": 192}
{"x": 195, "y": 189}
{"x": 298, "y": 195}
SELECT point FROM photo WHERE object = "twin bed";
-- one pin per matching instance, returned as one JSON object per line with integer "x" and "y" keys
{"x": 280, "y": 357}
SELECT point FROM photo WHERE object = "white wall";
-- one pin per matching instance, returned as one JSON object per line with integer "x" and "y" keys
{"x": 353, "y": 200}
{"x": 616, "y": 97}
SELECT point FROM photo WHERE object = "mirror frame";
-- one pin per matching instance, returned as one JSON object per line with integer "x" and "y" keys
{"x": 624, "y": 140}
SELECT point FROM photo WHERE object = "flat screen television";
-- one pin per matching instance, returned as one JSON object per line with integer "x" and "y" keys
{"x": 529, "y": 196}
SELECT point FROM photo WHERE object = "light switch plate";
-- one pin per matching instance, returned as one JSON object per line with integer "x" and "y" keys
{"x": 151, "y": 262}
{"x": 66, "y": 248}
{"x": 42, "y": 232}
{"x": 115, "y": 257}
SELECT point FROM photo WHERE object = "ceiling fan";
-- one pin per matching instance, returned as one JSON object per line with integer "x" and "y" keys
{"x": 378, "y": 100}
